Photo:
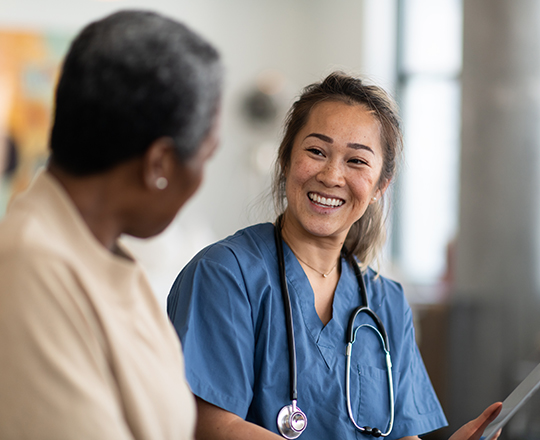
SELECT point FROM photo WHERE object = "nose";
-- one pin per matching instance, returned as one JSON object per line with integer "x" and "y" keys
{"x": 331, "y": 175}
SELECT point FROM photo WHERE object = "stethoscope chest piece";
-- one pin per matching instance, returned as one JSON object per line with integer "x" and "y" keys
{"x": 291, "y": 421}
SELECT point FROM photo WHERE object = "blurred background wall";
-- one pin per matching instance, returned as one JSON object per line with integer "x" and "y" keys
{"x": 464, "y": 235}
{"x": 271, "y": 50}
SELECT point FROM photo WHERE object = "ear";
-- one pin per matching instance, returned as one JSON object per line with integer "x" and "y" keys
{"x": 379, "y": 193}
{"x": 158, "y": 164}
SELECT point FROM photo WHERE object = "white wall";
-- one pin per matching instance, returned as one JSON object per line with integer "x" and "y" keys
{"x": 301, "y": 39}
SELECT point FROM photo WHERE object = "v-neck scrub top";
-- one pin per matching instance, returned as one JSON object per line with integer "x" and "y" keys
{"x": 227, "y": 308}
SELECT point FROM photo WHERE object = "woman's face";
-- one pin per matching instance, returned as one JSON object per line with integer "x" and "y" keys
{"x": 333, "y": 175}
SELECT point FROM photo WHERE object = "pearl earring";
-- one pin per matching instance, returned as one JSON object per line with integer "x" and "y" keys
{"x": 162, "y": 183}
{"x": 374, "y": 199}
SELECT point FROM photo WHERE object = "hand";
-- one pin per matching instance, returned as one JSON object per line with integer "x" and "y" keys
{"x": 475, "y": 428}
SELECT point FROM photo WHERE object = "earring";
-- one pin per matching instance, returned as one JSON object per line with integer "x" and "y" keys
{"x": 374, "y": 199}
{"x": 161, "y": 183}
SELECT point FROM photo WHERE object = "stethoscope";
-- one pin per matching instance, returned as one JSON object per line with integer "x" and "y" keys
{"x": 291, "y": 420}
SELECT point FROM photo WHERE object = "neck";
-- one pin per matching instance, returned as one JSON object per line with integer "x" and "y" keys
{"x": 95, "y": 198}
{"x": 318, "y": 254}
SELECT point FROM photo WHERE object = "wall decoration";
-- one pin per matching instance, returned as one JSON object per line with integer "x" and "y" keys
{"x": 29, "y": 66}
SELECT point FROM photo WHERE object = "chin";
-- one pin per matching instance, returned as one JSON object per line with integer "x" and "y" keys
{"x": 321, "y": 230}
{"x": 148, "y": 232}
{"x": 329, "y": 229}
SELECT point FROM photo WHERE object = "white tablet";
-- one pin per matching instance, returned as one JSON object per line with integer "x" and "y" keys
{"x": 513, "y": 402}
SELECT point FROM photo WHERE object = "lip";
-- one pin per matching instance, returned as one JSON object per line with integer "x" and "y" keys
{"x": 326, "y": 207}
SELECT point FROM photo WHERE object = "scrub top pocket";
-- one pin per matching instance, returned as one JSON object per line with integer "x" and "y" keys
{"x": 371, "y": 397}
{"x": 425, "y": 402}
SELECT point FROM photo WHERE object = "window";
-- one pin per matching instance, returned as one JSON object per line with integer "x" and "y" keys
{"x": 428, "y": 88}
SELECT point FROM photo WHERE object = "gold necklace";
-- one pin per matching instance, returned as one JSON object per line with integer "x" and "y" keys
{"x": 311, "y": 267}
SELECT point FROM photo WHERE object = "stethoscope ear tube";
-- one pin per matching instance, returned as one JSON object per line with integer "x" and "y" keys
{"x": 365, "y": 308}
{"x": 375, "y": 432}
{"x": 351, "y": 338}
{"x": 378, "y": 322}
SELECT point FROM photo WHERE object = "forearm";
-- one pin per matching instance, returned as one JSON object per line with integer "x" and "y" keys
{"x": 215, "y": 423}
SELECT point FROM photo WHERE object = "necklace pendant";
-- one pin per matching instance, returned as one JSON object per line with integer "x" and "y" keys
{"x": 325, "y": 275}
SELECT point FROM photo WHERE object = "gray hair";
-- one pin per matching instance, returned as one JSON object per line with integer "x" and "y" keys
{"x": 128, "y": 79}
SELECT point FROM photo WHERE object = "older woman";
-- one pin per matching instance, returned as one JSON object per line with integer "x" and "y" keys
{"x": 264, "y": 314}
{"x": 85, "y": 351}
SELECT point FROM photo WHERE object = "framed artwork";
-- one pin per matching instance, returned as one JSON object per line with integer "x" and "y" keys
{"x": 29, "y": 67}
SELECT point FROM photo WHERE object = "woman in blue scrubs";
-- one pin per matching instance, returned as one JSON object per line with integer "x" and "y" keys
{"x": 335, "y": 163}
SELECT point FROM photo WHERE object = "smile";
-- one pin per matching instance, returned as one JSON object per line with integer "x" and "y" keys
{"x": 325, "y": 201}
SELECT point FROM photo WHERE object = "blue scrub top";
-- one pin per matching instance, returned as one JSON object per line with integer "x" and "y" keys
{"x": 227, "y": 308}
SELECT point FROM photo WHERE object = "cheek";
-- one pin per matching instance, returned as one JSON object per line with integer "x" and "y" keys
{"x": 195, "y": 181}
{"x": 363, "y": 190}
{"x": 187, "y": 183}
{"x": 294, "y": 186}
{"x": 300, "y": 171}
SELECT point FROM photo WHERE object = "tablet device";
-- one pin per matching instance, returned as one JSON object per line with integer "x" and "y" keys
{"x": 513, "y": 402}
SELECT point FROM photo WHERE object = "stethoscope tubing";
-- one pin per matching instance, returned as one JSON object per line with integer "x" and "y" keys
{"x": 384, "y": 342}
{"x": 383, "y": 336}
{"x": 284, "y": 424}
{"x": 293, "y": 386}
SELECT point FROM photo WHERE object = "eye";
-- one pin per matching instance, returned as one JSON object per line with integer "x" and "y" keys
{"x": 357, "y": 161}
{"x": 315, "y": 151}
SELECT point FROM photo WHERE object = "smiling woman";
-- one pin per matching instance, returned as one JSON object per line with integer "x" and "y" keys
{"x": 273, "y": 293}
{"x": 333, "y": 174}
{"x": 380, "y": 123}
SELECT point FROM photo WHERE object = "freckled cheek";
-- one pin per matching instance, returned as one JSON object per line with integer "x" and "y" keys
{"x": 362, "y": 192}
{"x": 300, "y": 173}
{"x": 360, "y": 204}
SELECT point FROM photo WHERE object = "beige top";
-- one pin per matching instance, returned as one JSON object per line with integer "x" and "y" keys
{"x": 85, "y": 351}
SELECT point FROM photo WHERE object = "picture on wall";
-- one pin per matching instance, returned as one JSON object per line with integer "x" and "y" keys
{"x": 29, "y": 68}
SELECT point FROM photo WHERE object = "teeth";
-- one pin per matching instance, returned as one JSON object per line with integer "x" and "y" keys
{"x": 325, "y": 201}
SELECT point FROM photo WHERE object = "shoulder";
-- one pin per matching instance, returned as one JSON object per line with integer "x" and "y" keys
{"x": 28, "y": 246}
{"x": 38, "y": 266}
{"x": 240, "y": 267}
{"x": 243, "y": 249}
{"x": 20, "y": 230}
{"x": 36, "y": 224}
{"x": 238, "y": 262}
{"x": 385, "y": 293}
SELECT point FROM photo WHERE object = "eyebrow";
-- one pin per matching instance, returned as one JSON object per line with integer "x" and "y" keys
{"x": 329, "y": 140}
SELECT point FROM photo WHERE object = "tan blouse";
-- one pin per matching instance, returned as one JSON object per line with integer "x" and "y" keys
{"x": 85, "y": 351}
